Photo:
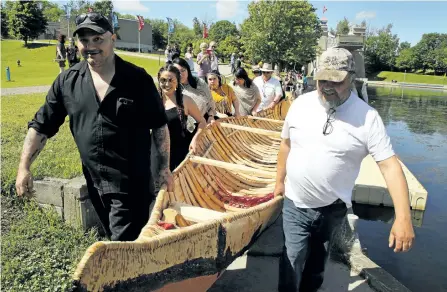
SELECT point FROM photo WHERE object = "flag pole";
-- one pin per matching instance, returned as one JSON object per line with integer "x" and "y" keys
{"x": 139, "y": 50}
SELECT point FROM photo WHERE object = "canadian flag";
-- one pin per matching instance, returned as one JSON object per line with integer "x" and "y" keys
{"x": 324, "y": 9}
{"x": 205, "y": 31}
{"x": 140, "y": 22}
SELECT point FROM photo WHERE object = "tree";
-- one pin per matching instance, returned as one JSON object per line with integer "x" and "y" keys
{"x": 52, "y": 11}
{"x": 197, "y": 27}
{"x": 342, "y": 26}
{"x": 381, "y": 50}
{"x": 126, "y": 16}
{"x": 281, "y": 32}
{"x": 404, "y": 45}
{"x": 25, "y": 20}
{"x": 105, "y": 7}
{"x": 4, "y": 27}
{"x": 159, "y": 32}
{"x": 231, "y": 44}
{"x": 426, "y": 50}
{"x": 221, "y": 29}
{"x": 405, "y": 60}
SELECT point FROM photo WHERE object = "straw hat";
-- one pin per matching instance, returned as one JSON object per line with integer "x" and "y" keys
{"x": 266, "y": 67}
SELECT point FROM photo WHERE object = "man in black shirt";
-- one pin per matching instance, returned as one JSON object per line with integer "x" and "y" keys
{"x": 112, "y": 105}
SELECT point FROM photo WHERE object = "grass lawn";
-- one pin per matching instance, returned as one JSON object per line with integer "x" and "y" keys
{"x": 387, "y": 76}
{"x": 39, "y": 251}
{"x": 37, "y": 65}
{"x": 60, "y": 157}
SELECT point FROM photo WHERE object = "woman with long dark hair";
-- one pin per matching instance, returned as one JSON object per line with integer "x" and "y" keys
{"x": 246, "y": 92}
{"x": 178, "y": 107}
{"x": 198, "y": 90}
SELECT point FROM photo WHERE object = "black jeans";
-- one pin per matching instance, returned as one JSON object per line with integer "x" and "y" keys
{"x": 308, "y": 233}
{"x": 122, "y": 215}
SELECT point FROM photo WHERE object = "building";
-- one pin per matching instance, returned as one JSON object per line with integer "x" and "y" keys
{"x": 51, "y": 31}
{"x": 128, "y": 36}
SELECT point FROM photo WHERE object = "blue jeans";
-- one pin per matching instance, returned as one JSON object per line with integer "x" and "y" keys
{"x": 308, "y": 232}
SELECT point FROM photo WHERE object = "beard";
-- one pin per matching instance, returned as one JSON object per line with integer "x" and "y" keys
{"x": 330, "y": 98}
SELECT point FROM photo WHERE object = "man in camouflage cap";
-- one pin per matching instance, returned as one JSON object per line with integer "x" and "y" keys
{"x": 326, "y": 135}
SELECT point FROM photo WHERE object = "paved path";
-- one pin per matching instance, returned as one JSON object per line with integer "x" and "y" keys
{"x": 25, "y": 90}
{"x": 224, "y": 69}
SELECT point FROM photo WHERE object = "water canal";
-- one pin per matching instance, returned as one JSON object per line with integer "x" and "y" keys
{"x": 416, "y": 121}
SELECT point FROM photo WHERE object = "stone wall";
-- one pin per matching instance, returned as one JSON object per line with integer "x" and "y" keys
{"x": 70, "y": 200}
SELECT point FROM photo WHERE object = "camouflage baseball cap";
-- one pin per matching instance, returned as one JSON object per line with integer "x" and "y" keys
{"x": 335, "y": 64}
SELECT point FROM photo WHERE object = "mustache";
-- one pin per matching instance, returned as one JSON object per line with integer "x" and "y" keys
{"x": 329, "y": 91}
{"x": 92, "y": 52}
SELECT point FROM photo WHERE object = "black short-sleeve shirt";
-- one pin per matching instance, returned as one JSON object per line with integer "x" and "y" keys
{"x": 113, "y": 136}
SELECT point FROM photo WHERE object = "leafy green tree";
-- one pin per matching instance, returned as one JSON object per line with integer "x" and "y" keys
{"x": 426, "y": 50}
{"x": 25, "y": 20}
{"x": 52, "y": 11}
{"x": 281, "y": 32}
{"x": 221, "y": 29}
{"x": 405, "y": 60}
{"x": 404, "y": 45}
{"x": 342, "y": 26}
{"x": 105, "y": 7}
{"x": 231, "y": 44}
{"x": 4, "y": 27}
{"x": 197, "y": 27}
{"x": 126, "y": 16}
{"x": 381, "y": 50}
{"x": 159, "y": 33}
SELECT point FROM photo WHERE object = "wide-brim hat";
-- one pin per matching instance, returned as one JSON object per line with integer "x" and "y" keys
{"x": 334, "y": 65}
{"x": 266, "y": 67}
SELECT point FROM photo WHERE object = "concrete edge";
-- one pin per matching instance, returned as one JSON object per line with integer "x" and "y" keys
{"x": 348, "y": 251}
{"x": 408, "y": 85}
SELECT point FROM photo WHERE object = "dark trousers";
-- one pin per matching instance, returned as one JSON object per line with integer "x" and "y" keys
{"x": 122, "y": 215}
{"x": 308, "y": 233}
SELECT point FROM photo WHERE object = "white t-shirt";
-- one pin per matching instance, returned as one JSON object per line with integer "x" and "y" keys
{"x": 322, "y": 169}
{"x": 268, "y": 90}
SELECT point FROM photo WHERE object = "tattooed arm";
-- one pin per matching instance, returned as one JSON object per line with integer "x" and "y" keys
{"x": 34, "y": 143}
{"x": 163, "y": 144}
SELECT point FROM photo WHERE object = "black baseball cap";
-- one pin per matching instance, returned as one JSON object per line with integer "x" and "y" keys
{"x": 94, "y": 21}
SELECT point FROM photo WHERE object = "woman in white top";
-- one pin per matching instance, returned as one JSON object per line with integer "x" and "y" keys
{"x": 189, "y": 58}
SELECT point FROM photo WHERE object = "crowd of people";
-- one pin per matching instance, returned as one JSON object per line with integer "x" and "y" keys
{"x": 114, "y": 105}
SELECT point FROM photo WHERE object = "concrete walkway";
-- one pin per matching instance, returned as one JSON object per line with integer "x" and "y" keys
{"x": 224, "y": 69}
{"x": 259, "y": 269}
{"x": 25, "y": 90}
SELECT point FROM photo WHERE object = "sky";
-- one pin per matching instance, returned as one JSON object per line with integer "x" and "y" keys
{"x": 410, "y": 19}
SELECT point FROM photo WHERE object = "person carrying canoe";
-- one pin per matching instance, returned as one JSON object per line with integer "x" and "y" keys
{"x": 326, "y": 135}
{"x": 113, "y": 106}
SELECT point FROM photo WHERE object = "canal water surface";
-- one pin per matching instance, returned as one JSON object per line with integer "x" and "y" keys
{"x": 416, "y": 121}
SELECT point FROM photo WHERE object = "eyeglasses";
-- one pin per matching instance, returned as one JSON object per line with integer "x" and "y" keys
{"x": 328, "y": 128}
{"x": 93, "y": 16}
{"x": 182, "y": 71}
{"x": 166, "y": 80}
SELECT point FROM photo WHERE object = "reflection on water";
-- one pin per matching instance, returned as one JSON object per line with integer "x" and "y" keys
{"x": 416, "y": 121}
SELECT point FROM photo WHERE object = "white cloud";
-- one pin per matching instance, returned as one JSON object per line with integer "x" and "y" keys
{"x": 365, "y": 15}
{"x": 227, "y": 8}
{"x": 129, "y": 5}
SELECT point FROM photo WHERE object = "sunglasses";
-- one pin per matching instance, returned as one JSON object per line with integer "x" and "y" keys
{"x": 166, "y": 80}
{"x": 93, "y": 16}
{"x": 328, "y": 127}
